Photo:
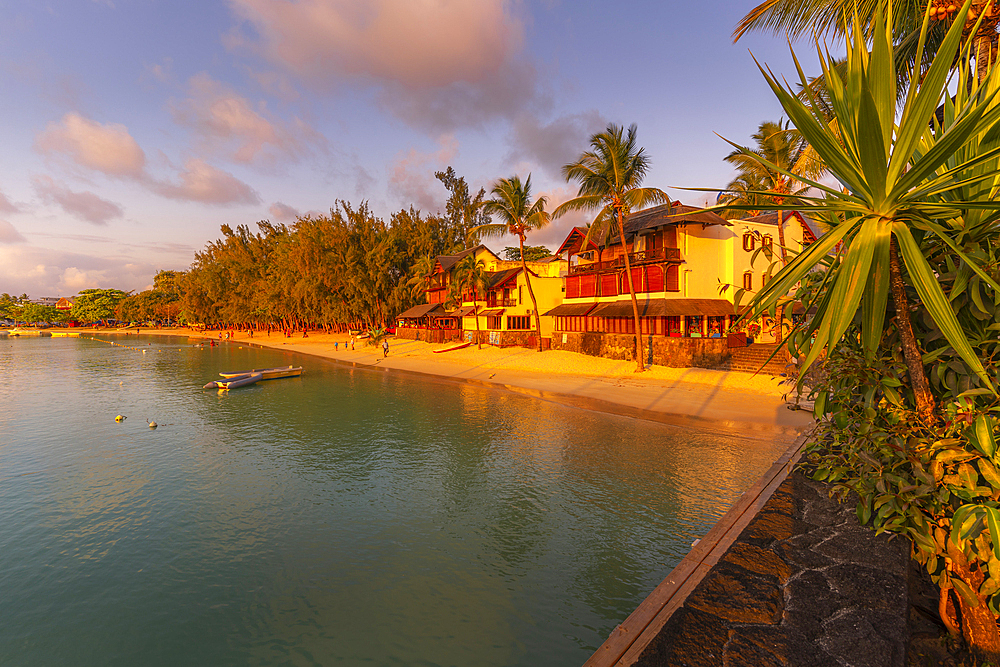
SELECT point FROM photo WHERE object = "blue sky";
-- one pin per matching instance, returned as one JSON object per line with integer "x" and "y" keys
{"x": 132, "y": 129}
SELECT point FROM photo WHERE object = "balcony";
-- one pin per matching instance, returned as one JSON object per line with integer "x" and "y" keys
{"x": 635, "y": 258}
{"x": 501, "y": 303}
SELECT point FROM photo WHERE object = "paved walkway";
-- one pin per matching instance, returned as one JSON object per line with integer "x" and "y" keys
{"x": 803, "y": 585}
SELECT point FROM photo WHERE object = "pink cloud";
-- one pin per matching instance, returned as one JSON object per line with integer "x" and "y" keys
{"x": 201, "y": 182}
{"x": 85, "y": 205}
{"x": 412, "y": 178}
{"x": 8, "y": 234}
{"x": 282, "y": 212}
{"x": 7, "y": 206}
{"x": 438, "y": 65}
{"x": 227, "y": 122}
{"x": 109, "y": 148}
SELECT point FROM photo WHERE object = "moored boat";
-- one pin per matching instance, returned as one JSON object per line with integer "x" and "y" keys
{"x": 452, "y": 347}
{"x": 269, "y": 373}
{"x": 234, "y": 382}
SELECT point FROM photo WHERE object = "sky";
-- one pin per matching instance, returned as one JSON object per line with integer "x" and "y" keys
{"x": 131, "y": 130}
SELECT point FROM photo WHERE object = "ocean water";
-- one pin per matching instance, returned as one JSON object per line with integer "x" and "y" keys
{"x": 352, "y": 516}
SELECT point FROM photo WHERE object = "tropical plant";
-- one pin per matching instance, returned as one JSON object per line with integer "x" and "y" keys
{"x": 610, "y": 175}
{"x": 464, "y": 211}
{"x": 512, "y": 203}
{"x": 917, "y": 212}
{"x": 471, "y": 276}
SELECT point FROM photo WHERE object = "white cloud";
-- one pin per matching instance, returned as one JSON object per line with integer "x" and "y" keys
{"x": 109, "y": 149}
{"x": 85, "y": 205}
{"x": 226, "y": 122}
{"x": 73, "y": 280}
{"x": 412, "y": 178}
{"x": 45, "y": 272}
{"x": 8, "y": 234}
{"x": 201, "y": 182}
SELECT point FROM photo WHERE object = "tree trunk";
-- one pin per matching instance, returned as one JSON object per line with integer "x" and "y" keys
{"x": 475, "y": 312}
{"x": 531, "y": 292}
{"x": 784, "y": 262}
{"x": 640, "y": 364}
{"x": 979, "y": 628}
{"x": 911, "y": 353}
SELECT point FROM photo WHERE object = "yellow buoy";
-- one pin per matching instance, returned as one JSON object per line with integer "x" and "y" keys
{"x": 120, "y": 418}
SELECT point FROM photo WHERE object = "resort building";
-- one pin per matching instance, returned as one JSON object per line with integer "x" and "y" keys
{"x": 502, "y": 312}
{"x": 687, "y": 264}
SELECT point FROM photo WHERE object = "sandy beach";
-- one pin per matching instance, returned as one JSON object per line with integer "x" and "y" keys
{"x": 674, "y": 395}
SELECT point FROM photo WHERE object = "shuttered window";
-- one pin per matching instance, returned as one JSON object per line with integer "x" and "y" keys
{"x": 609, "y": 284}
{"x": 654, "y": 278}
{"x": 673, "y": 278}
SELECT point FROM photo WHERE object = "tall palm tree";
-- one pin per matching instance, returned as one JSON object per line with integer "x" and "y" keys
{"x": 779, "y": 145}
{"x": 610, "y": 174}
{"x": 470, "y": 274}
{"x": 512, "y": 204}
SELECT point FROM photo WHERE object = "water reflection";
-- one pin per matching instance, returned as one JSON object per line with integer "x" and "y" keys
{"x": 349, "y": 514}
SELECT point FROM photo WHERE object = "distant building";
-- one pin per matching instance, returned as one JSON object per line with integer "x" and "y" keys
{"x": 504, "y": 311}
{"x": 65, "y": 303}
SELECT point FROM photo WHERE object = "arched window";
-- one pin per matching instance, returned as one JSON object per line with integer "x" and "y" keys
{"x": 748, "y": 241}
{"x": 748, "y": 281}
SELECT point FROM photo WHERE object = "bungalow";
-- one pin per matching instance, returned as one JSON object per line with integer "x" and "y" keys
{"x": 503, "y": 314}
{"x": 685, "y": 262}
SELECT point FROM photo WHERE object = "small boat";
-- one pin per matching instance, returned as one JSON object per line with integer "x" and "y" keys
{"x": 234, "y": 382}
{"x": 65, "y": 334}
{"x": 18, "y": 331}
{"x": 453, "y": 347}
{"x": 269, "y": 373}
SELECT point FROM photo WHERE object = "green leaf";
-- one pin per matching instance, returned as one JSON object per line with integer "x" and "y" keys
{"x": 967, "y": 593}
{"x": 985, "y": 442}
{"x": 993, "y": 521}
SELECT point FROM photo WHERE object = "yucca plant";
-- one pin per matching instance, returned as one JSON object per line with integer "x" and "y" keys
{"x": 917, "y": 205}
{"x": 898, "y": 184}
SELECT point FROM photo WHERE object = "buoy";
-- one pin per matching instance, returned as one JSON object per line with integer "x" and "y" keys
{"x": 120, "y": 418}
{"x": 151, "y": 424}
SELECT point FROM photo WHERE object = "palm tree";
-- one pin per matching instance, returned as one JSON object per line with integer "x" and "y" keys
{"x": 470, "y": 273}
{"x": 610, "y": 174}
{"x": 783, "y": 147}
{"x": 512, "y": 203}
{"x": 795, "y": 18}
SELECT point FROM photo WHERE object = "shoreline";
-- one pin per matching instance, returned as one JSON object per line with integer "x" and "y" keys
{"x": 694, "y": 397}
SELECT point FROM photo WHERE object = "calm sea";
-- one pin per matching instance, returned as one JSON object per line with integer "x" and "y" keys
{"x": 350, "y": 516}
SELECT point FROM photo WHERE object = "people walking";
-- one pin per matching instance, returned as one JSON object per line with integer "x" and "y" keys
{"x": 385, "y": 348}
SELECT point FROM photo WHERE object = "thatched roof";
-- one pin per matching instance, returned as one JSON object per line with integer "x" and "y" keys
{"x": 675, "y": 214}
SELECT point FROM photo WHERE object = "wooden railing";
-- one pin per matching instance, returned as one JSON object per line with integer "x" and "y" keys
{"x": 635, "y": 258}
{"x": 501, "y": 303}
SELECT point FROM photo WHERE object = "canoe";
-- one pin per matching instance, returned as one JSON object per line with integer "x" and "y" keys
{"x": 269, "y": 373}
{"x": 234, "y": 382}
{"x": 66, "y": 334}
{"x": 453, "y": 347}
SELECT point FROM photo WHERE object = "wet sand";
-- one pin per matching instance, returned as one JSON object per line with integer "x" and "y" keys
{"x": 675, "y": 395}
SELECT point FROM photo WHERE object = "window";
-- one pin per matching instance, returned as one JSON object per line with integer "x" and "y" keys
{"x": 767, "y": 241}
{"x": 748, "y": 241}
{"x": 518, "y": 322}
{"x": 445, "y": 322}
{"x": 673, "y": 325}
{"x": 694, "y": 325}
{"x": 493, "y": 322}
{"x": 763, "y": 280}
{"x": 716, "y": 325}
{"x": 748, "y": 281}
{"x": 673, "y": 281}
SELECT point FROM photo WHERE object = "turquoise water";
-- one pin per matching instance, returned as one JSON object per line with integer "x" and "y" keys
{"x": 350, "y": 516}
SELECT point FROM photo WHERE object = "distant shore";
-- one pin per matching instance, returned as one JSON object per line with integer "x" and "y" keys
{"x": 665, "y": 394}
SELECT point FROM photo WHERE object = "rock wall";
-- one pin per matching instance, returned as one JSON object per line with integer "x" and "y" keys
{"x": 660, "y": 350}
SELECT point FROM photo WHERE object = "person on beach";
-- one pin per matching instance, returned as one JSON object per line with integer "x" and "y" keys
{"x": 352, "y": 343}
{"x": 336, "y": 345}
{"x": 385, "y": 348}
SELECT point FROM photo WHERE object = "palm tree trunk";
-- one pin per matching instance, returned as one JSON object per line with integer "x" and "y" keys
{"x": 531, "y": 292}
{"x": 640, "y": 365}
{"x": 475, "y": 312}
{"x": 979, "y": 628}
{"x": 911, "y": 353}
{"x": 784, "y": 262}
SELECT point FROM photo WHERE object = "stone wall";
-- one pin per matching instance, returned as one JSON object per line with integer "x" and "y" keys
{"x": 659, "y": 350}
{"x": 429, "y": 335}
